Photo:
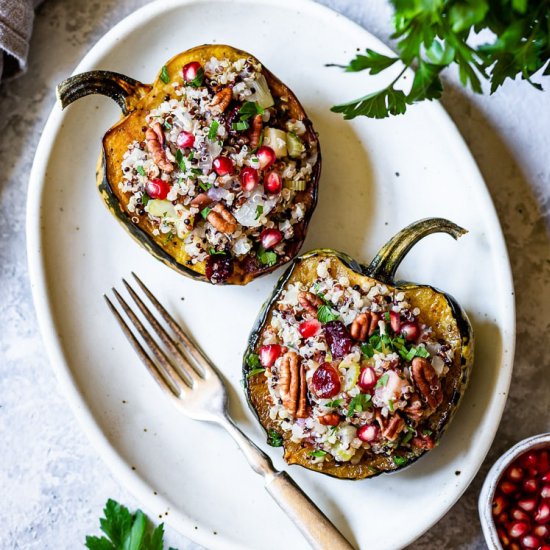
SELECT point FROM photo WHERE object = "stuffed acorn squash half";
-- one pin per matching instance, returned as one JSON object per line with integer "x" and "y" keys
{"x": 353, "y": 373}
{"x": 213, "y": 168}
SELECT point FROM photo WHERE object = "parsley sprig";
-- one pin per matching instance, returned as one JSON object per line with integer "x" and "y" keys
{"x": 386, "y": 344}
{"x": 126, "y": 531}
{"x": 434, "y": 35}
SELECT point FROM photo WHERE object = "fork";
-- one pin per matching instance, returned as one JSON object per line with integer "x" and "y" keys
{"x": 195, "y": 386}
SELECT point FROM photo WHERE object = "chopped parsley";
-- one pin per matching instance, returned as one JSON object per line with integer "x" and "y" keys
{"x": 164, "y": 76}
{"x": 367, "y": 350}
{"x": 274, "y": 438}
{"x": 141, "y": 171}
{"x": 169, "y": 237}
{"x": 408, "y": 437}
{"x": 382, "y": 381}
{"x": 266, "y": 257}
{"x": 205, "y": 186}
{"x": 145, "y": 198}
{"x": 255, "y": 371}
{"x": 205, "y": 212}
{"x": 318, "y": 453}
{"x": 180, "y": 161}
{"x": 250, "y": 109}
{"x": 213, "y": 132}
{"x": 334, "y": 403}
{"x": 197, "y": 81}
{"x": 259, "y": 211}
{"x": 387, "y": 316}
{"x": 385, "y": 344}
{"x": 325, "y": 314}
{"x": 390, "y": 405}
{"x": 240, "y": 125}
{"x": 167, "y": 125}
{"x": 253, "y": 361}
{"x": 360, "y": 402}
{"x": 427, "y": 432}
{"x": 399, "y": 460}
{"x": 213, "y": 252}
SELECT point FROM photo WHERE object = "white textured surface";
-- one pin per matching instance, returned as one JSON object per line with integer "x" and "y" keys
{"x": 54, "y": 485}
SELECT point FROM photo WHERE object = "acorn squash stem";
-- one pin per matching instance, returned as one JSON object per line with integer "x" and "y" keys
{"x": 122, "y": 89}
{"x": 386, "y": 262}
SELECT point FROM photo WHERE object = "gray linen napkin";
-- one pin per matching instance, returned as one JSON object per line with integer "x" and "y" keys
{"x": 16, "y": 18}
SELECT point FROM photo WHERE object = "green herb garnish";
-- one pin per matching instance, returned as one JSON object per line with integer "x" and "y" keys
{"x": 275, "y": 439}
{"x": 126, "y": 531}
{"x": 317, "y": 453}
{"x": 197, "y": 81}
{"x": 360, "y": 402}
{"x": 367, "y": 350}
{"x": 167, "y": 125}
{"x": 240, "y": 126}
{"x": 180, "y": 161}
{"x": 408, "y": 437}
{"x": 213, "y": 252}
{"x": 169, "y": 237}
{"x": 253, "y": 360}
{"x": 334, "y": 403}
{"x": 255, "y": 371}
{"x": 213, "y": 132}
{"x": 325, "y": 314}
{"x": 390, "y": 405}
{"x": 205, "y": 212}
{"x": 427, "y": 432}
{"x": 259, "y": 211}
{"x": 164, "y": 76}
{"x": 141, "y": 171}
{"x": 145, "y": 198}
{"x": 399, "y": 460}
{"x": 266, "y": 257}
{"x": 205, "y": 186}
{"x": 250, "y": 109}
{"x": 382, "y": 381}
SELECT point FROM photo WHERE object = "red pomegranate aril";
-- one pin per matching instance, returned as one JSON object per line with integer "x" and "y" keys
{"x": 530, "y": 460}
{"x": 273, "y": 182}
{"x": 269, "y": 354}
{"x": 514, "y": 546}
{"x": 544, "y": 462}
{"x": 530, "y": 486}
{"x": 325, "y": 381}
{"x": 546, "y": 477}
{"x": 519, "y": 515}
{"x": 368, "y": 433}
{"x": 545, "y": 491}
{"x": 515, "y": 473}
{"x": 185, "y": 139}
{"x": 504, "y": 518}
{"x": 191, "y": 70}
{"x": 508, "y": 488}
{"x": 530, "y": 541}
{"x": 527, "y": 504}
{"x": 309, "y": 328}
{"x": 518, "y": 529}
{"x": 545, "y": 547}
{"x": 499, "y": 505}
{"x": 503, "y": 537}
{"x": 367, "y": 379}
{"x": 410, "y": 331}
{"x": 249, "y": 178}
{"x": 542, "y": 531}
{"x": 543, "y": 512}
{"x": 223, "y": 166}
{"x": 157, "y": 188}
{"x": 270, "y": 238}
{"x": 266, "y": 156}
{"x": 395, "y": 321}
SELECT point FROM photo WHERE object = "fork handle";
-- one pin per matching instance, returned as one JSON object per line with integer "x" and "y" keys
{"x": 313, "y": 524}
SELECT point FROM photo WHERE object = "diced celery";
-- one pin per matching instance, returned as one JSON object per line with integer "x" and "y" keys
{"x": 294, "y": 145}
{"x": 295, "y": 185}
{"x": 276, "y": 139}
{"x": 351, "y": 377}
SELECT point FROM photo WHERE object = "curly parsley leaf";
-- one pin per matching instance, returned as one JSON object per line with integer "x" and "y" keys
{"x": 326, "y": 314}
{"x": 164, "y": 76}
{"x": 126, "y": 531}
{"x": 274, "y": 438}
{"x": 317, "y": 453}
{"x": 266, "y": 257}
{"x": 360, "y": 402}
{"x": 431, "y": 36}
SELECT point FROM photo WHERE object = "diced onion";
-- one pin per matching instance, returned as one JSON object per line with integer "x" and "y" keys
{"x": 276, "y": 139}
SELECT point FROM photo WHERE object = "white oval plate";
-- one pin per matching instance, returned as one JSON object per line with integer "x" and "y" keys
{"x": 378, "y": 176}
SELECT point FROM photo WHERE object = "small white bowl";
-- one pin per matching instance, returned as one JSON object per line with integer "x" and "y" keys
{"x": 492, "y": 479}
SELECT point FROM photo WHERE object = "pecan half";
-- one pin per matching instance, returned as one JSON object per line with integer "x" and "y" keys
{"x": 292, "y": 385}
{"x": 201, "y": 201}
{"x": 310, "y": 302}
{"x": 393, "y": 428}
{"x": 415, "y": 409}
{"x": 256, "y": 131}
{"x": 364, "y": 325}
{"x": 330, "y": 419}
{"x": 426, "y": 380}
{"x": 154, "y": 138}
{"x": 221, "y": 101}
{"x": 222, "y": 219}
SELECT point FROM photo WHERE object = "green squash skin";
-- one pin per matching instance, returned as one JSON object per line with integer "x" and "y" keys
{"x": 463, "y": 325}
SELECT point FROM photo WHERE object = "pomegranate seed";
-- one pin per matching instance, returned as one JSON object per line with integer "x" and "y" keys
{"x": 527, "y": 504}
{"x": 249, "y": 178}
{"x": 223, "y": 166}
{"x": 410, "y": 331}
{"x": 368, "y": 432}
{"x": 185, "y": 139}
{"x": 503, "y": 537}
{"x": 273, "y": 182}
{"x": 530, "y": 541}
{"x": 544, "y": 462}
{"x": 395, "y": 321}
{"x": 530, "y": 460}
{"x": 545, "y": 491}
{"x": 157, "y": 188}
{"x": 542, "y": 531}
{"x": 338, "y": 338}
{"x": 545, "y": 547}
{"x": 518, "y": 529}
{"x": 504, "y": 518}
{"x": 309, "y": 328}
{"x": 191, "y": 71}
{"x": 546, "y": 477}
{"x": 514, "y": 546}
{"x": 325, "y": 381}
{"x": 543, "y": 512}
{"x": 269, "y": 354}
{"x": 515, "y": 473}
{"x": 367, "y": 379}
{"x": 266, "y": 156}
{"x": 519, "y": 515}
{"x": 270, "y": 237}
{"x": 530, "y": 485}
{"x": 499, "y": 505}
{"x": 508, "y": 487}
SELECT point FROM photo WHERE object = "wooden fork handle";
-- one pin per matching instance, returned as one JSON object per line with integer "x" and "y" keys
{"x": 312, "y": 523}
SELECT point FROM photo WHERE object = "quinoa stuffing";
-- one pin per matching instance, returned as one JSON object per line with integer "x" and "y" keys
{"x": 223, "y": 171}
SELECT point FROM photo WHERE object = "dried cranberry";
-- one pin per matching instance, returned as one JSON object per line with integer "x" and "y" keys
{"x": 325, "y": 381}
{"x": 338, "y": 338}
{"x": 219, "y": 267}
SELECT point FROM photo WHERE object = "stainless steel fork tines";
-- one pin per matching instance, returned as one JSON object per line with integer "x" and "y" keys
{"x": 187, "y": 375}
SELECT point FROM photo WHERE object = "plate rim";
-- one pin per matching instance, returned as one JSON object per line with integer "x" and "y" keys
{"x": 120, "y": 469}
